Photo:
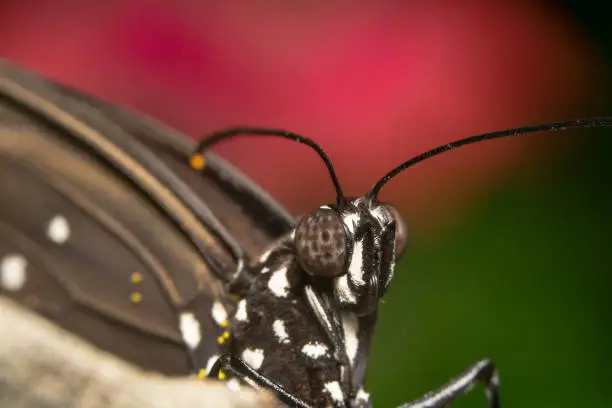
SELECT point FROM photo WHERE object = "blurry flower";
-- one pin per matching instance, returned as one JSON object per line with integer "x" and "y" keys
{"x": 373, "y": 82}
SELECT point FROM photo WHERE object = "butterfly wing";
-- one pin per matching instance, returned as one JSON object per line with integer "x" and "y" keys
{"x": 105, "y": 230}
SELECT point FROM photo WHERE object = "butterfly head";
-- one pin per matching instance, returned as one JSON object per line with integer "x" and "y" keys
{"x": 356, "y": 245}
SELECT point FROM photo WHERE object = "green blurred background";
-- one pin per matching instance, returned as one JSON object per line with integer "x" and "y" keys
{"x": 525, "y": 278}
{"x": 509, "y": 257}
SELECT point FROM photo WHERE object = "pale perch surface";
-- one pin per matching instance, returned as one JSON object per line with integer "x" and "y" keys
{"x": 43, "y": 366}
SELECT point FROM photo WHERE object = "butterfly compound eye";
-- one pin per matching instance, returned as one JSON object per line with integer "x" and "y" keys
{"x": 401, "y": 231}
{"x": 320, "y": 242}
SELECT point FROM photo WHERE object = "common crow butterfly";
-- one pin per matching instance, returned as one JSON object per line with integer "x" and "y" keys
{"x": 118, "y": 229}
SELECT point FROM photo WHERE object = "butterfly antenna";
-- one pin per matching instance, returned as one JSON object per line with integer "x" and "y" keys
{"x": 372, "y": 196}
{"x": 197, "y": 158}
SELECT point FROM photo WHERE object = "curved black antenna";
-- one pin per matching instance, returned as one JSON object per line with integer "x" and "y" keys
{"x": 244, "y": 130}
{"x": 572, "y": 124}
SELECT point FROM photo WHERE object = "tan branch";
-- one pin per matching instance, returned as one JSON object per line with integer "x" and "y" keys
{"x": 43, "y": 366}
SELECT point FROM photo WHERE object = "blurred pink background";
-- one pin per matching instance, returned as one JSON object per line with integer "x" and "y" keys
{"x": 373, "y": 82}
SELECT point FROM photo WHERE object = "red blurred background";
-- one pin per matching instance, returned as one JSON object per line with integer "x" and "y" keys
{"x": 373, "y": 82}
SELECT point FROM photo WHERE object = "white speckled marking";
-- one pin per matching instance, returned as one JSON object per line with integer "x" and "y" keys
{"x": 350, "y": 324}
{"x": 380, "y": 213}
{"x": 190, "y": 329}
{"x": 314, "y": 350}
{"x": 278, "y": 283}
{"x": 211, "y": 361}
{"x": 13, "y": 272}
{"x": 362, "y": 395}
{"x": 351, "y": 221}
{"x": 355, "y": 269}
{"x": 281, "y": 331}
{"x": 219, "y": 313}
{"x": 343, "y": 290}
{"x": 391, "y": 272}
{"x": 233, "y": 385}
{"x": 335, "y": 391}
{"x": 264, "y": 257}
{"x": 253, "y": 357}
{"x": 58, "y": 229}
{"x": 241, "y": 311}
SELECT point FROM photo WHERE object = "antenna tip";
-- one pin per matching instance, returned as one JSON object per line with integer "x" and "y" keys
{"x": 197, "y": 161}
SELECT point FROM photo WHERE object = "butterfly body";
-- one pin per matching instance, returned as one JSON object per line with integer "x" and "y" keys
{"x": 102, "y": 217}
{"x": 116, "y": 228}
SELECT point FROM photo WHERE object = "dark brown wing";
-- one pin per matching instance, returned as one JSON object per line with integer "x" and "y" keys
{"x": 104, "y": 228}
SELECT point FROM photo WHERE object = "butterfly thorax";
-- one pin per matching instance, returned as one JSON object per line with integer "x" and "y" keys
{"x": 307, "y": 319}
{"x": 276, "y": 330}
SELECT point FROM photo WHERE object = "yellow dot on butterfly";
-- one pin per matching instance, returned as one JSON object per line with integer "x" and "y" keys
{"x": 136, "y": 297}
{"x": 220, "y": 340}
{"x": 136, "y": 277}
{"x": 223, "y": 323}
{"x": 221, "y": 375}
{"x": 201, "y": 374}
{"x": 197, "y": 161}
{"x": 226, "y": 335}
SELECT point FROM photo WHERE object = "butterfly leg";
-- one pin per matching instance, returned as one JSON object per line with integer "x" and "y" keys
{"x": 239, "y": 369}
{"x": 481, "y": 372}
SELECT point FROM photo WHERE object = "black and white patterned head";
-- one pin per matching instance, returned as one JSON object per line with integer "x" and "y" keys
{"x": 356, "y": 245}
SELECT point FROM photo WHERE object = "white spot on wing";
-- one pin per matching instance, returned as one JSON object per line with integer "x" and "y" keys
{"x": 190, "y": 329}
{"x": 241, "y": 311}
{"x": 278, "y": 283}
{"x": 219, "y": 313}
{"x": 335, "y": 391}
{"x": 253, "y": 357}
{"x": 58, "y": 229}
{"x": 314, "y": 350}
{"x": 13, "y": 272}
{"x": 350, "y": 324}
{"x": 281, "y": 331}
